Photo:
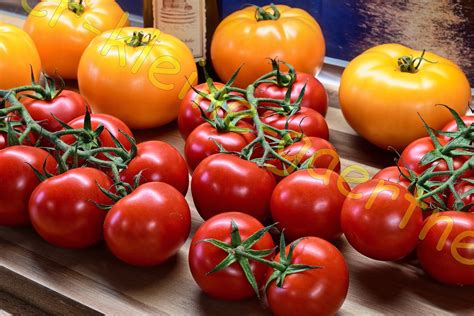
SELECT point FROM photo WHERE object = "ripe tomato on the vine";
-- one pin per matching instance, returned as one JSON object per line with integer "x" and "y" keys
{"x": 157, "y": 162}
{"x": 112, "y": 126}
{"x": 453, "y": 127}
{"x": 63, "y": 208}
{"x": 322, "y": 152}
{"x": 314, "y": 97}
{"x": 148, "y": 226}
{"x": 381, "y": 220}
{"x": 319, "y": 291}
{"x": 19, "y": 180}
{"x": 445, "y": 251}
{"x": 201, "y": 143}
{"x": 414, "y": 152}
{"x": 229, "y": 283}
{"x": 66, "y": 106}
{"x": 190, "y": 117}
{"x": 393, "y": 174}
{"x": 462, "y": 188}
{"x": 308, "y": 203}
{"x": 223, "y": 183}
{"x": 306, "y": 121}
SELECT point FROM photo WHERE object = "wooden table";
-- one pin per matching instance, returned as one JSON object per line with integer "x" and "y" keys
{"x": 37, "y": 278}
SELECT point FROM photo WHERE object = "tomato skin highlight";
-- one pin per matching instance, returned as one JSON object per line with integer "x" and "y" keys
{"x": 295, "y": 37}
{"x": 386, "y": 112}
{"x": 320, "y": 291}
{"x": 308, "y": 203}
{"x": 62, "y": 211}
{"x": 230, "y": 283}
{"x": 201, "y": 142}
{"x": 148, "y": 226}
{"x": 223, "y": 183}
{"x": 158, "y": 162}
{"x": 17, "y": 47}
{"x": 306, "y": 121}
{"x": 66, "y": 106}
{"x": 381, "y": 220}
{"x": 315, "y": 96}
{"x": 19, "y": 181}
{"x": 453, "y": 262}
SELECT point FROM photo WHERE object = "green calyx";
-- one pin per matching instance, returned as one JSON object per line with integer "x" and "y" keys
{"x": 76, "y": 7}
{"x": 241, "y": 252}
{"x": 265, "y": 15}
{"x": 139, "y": 39}
{"x": 411, "y": 64}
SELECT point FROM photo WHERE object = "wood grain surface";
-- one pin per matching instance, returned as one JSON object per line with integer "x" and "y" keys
{"x": 37, "y": 278}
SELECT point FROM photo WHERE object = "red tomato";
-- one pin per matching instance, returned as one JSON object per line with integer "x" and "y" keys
{"x": 308, "y": 203}
{"x": 306, "y": 121}
{"x": 229, "y": 283}
{"x": 62, "y": 208}
{"x": 18, "y": 181}
{"x": 18, "y": 128}
{"x": 313, "y": 292}
{"x": 392, "y": 174}
{"x": 315, "y": 96}
{"x": 462, "y": 188}
{"x": 223, "y": 183}
{"x": 446, "y": 250}
{"x": 381, "y": 220}
{"x": 112, "y": 126}
{"x": 158, "y": 162}
{"x": 148, "y": 226}
{"x": 201, "y": 142}
{"x": 413, "y": 153}
{"x": 453, "y": 127}
{"x": 66, "y": 106}
{"x": 325, "y": 156}
{"x": 190, "y": 116}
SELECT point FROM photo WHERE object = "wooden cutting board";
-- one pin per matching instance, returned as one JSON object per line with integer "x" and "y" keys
{"x": 37, "y": 278}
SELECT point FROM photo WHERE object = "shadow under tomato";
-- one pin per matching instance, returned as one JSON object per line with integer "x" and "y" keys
{"x": 209, "y": 306}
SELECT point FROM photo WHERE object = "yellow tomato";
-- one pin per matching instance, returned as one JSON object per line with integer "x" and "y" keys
{"x": 250, "y": 36}
{"x": 138, "y": 75}
{"x": 385, "y": 89}
{"x": 17, "y": 54}
{"x": 62, "y": 29}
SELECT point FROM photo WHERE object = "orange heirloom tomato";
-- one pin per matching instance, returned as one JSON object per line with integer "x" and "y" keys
{"x": 62, "y": 29}
{"x": 384, "y": 89}
{"x": 17, "y": 54}
{"x": 136, "y": 74}
{"x": 250, "y": 36}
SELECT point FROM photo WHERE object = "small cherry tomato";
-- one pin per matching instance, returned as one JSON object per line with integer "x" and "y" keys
{"x": 229, "y": 283}
{"x": 462, "y": 188}
{"x": 324, "y": 155}
{"x": 158, "y": 162}
{"x": 224, "y": 182}
{"x": 63, "y": 208}
{"x": 308, "y": 203}
{"x": 148, "y": 226}
{"x": 66, "y": 106}
{"x": 319, "y": 291}
{"x": 306, "y": 121}
{"x": 19, "y": 180}
{"x": 453, "y": 127}
{"x": 381, "y": 220}
{"x": 393, "y": 174}
{"x": 190, "y": 116}
{"x": 315, "y": 96}
{"x": 201, "y": 143}
{"x": 446, "y": 250}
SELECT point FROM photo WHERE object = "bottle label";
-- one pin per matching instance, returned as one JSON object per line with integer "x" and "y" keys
{"x": 185, "y": 19}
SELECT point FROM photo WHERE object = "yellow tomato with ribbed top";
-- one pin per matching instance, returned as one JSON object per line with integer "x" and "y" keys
{"x": 386, "y": 89}
{"x": 137, "y": 74}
